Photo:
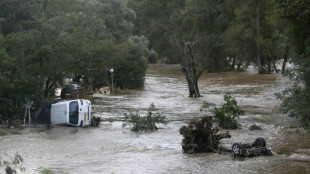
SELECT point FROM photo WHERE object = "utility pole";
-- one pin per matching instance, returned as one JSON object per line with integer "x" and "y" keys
{"x": 111, "y": 71}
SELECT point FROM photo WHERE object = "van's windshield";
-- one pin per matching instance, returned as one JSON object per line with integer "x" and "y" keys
{"x": 73, "y": 112}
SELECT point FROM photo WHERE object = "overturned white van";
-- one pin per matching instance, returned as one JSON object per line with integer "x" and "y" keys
{"x": 72, "y": 113}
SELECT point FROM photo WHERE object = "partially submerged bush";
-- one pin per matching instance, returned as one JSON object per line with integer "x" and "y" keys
{"x": 11, "y": 167}
{"x": 254, "y": 127}
{"x": 225, "y": 115}
{"x": 145, "y": 123}
{"x": 16, "y": 166}
{"x": 48, "y": 171}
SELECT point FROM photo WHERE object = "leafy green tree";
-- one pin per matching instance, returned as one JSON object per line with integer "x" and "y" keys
{"x": 17, "y": 78}
{"x": 15, "y": 16}
{"x": 127, "y": 61}
{"x": 64, "y": 38}
{"x": 130, "y": 76}
{"x": 153, "y": 21}
{"x": 199, "y": 28}
{"x": 296, "y": 98}
{"x": 253, "y": 35}
{"x": 169, "y": 24}
{"x": 203, "y": 22}
{"x": 142, "y": 42}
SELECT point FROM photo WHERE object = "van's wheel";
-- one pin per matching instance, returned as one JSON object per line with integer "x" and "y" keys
{"x": 260, "y": 142}
{"x": 236, "y": 149}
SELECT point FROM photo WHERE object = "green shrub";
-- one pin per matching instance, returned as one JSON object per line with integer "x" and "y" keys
{"x": 295, "y": 99}
{"x": 225, "y": 115}
{"x": 145, "y": 123}
{"x": 46, "y": 171}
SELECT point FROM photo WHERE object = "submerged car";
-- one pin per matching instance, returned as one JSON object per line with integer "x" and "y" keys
{"x": 254, "y": 149}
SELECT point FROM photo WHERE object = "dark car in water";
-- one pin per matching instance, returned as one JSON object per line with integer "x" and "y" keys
{"x": 71, "y": 91}
{"x": 254, "y": 149}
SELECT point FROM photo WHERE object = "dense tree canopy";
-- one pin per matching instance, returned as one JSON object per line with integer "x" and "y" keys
{"x": 44, "y": 41}
{"x": 253, "y": 35}
{"x": 226, "y": 33}
{"x": 296, "y": 98}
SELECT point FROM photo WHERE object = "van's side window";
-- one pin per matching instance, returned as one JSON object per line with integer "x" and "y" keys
{"x": 73, "y": 112}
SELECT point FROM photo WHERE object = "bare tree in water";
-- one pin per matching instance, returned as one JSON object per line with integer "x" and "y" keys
{"x": 190, "y": 71}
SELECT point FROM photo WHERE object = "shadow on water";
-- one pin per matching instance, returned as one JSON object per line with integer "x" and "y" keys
{"x": 112, "y": 149}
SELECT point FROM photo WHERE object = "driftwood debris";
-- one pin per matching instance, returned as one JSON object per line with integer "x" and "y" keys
{"x": 105, "y": 90}
{"x": 200, "y": 136}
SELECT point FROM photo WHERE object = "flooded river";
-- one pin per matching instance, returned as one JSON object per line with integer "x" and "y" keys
{"x": 112, "y": 149}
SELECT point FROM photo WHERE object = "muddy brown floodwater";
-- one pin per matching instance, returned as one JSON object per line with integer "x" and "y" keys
{"x": 112, "y": 149}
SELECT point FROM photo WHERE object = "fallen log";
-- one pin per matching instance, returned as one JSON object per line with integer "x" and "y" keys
{"x": 200, "y": 136}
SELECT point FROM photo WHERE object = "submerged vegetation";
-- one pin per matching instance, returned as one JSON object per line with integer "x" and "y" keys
{"x": 145, "y": 123}
{"x": 14, "y": 166}
{"x": 224, "y": 116}
{"x": 17, "y": 166}
{"x": 48, "y": 171}
{"x": 254, "y": 127}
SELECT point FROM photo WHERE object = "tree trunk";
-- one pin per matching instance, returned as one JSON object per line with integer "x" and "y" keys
{"x": 233, "y": 64}
{"x": 239, "y": 66}
{"x": 269, "y": 66}
{"x": 285, "y": 59}
{"x": 259, "y": 61}
{"x": 275, "y": 67}
{"x": 191, "y": 73}
{"x": 41, "y": 81}
{"x": 41, "y": 56}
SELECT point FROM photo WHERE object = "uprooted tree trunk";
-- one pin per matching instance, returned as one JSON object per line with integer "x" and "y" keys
{"x": 200, "y": 136}
{"x": 190, "y": 72}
